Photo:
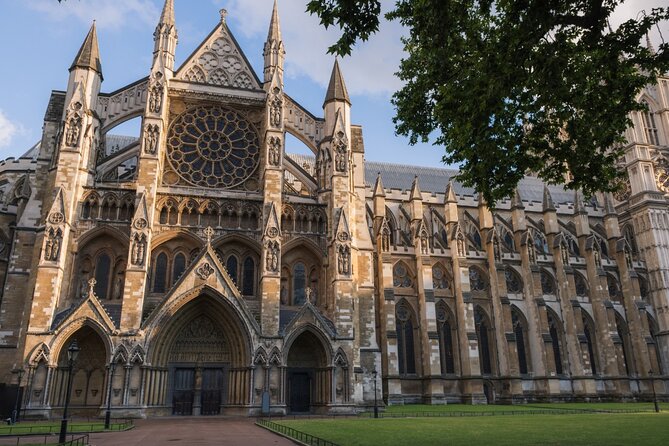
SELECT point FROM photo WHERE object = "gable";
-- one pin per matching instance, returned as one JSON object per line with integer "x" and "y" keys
{"x": 219, "y": 61}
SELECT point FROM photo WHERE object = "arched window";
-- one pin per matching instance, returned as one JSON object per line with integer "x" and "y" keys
{"x": 405, "y": 342}
{"x": 248, "y": 277}
{"x": 540, "y": 243}
{"x": 554, "y": 330}
{"x": 572, "y": 245}
{"x": 653, "y": 329}
{"x": 624, "y": 335}
{"x": 589, "y": 333}
{"x": 628, "y": 234}
{"x": 401, "y": 278}
{"x": 102, "y": 273}
{"x": 439, "y": 280}
{"x": 547, "y": 283}
{"x": 474, "y": 237}
{"x": 178, "y": 267}
{"x": 614, "y": 287}
{"x": 650, "y": 129}
{"x": 299, "y": 283}
{"x": 506, "y": 237}
{"x": 446, "y": 335}
{"x": 483, "y": 337}
{"x": 643, "y": 289}
{"x": 231, "y": 266}
{"x": 581, "y": 285}
{"x": 514, "y": 284}
{"x": 476, "y": 280}
{"x": 520, "y": 330}
{"x": 160, "y": 273}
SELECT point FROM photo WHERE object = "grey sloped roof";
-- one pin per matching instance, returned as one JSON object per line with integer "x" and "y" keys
{"x": 433, "y": 179}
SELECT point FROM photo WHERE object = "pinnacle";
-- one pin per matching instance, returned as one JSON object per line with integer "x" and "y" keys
{"x": 548, "y": 200}
{"x": 274, "y": 25}
{"x": 378, "y": 187}
{"x": 449, "y": 194}
{"x": 88, "y": 56}
{"x": 337, "y": 89}
{"x": 415, "y": 190}
{"x": 517, "y": 201}
{"x": 167, "y": 16}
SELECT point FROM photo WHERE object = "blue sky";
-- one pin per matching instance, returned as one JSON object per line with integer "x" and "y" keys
{"x": 39, "y": 39}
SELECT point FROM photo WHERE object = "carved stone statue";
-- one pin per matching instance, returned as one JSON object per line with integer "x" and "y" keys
{"x": 461, "y": 245}
{"x": 52, "y": 245}
{"x": 73, "y": 131}
{"x": 118, "y": 287}
{"x": 138, "y": 249}
{"x": 274, "y": 154}
{"x": 151, "y": 139}
{"x": 272, "y": 257}
{"x": 276, "y": 111}
{"x": 156, "y": 94}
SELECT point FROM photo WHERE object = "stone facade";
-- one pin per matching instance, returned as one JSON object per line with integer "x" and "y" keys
{"x": 203, "y": 270}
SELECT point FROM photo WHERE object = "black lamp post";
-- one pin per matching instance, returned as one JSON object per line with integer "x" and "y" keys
{"x": 112, "y": 368}
{"x": 15, "y": 413}
{"x": 72, "y": 353}
{"x": 376, "y": 406}
{"x": 652, "y": 383}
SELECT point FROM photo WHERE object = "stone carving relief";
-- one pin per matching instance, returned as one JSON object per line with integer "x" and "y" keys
{"x": 220, "y": 63}
{"x": 156, "y": 94}
{"x": 151, "y": 134}
{"x": 272, "y": 255}
{"x": 340, "y": 149}
{"x": 385, "y": 235}
{"x": 73, "y": 126}
{"x": 52, "y": 245}
{"x": 276, "y": 109}
{"x": 344, "y": 260}
{"x": 274, "y": 151}
{"x": 204, "y": 271}
{"x": 138, "y": 250}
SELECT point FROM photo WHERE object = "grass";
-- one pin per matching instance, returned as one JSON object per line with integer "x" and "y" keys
{"x": 592, "y": 429}
{"x": 449, "y": 408}
{"x": 54, "y": 427}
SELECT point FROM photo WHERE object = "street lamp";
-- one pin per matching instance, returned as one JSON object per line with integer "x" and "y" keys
{"x": 72, "y": 353}
{"x": 652, "y": 383}
{"x": 15, "y": 413}
{"x": 112, "y": 367}
{"x": 376, "y": 406}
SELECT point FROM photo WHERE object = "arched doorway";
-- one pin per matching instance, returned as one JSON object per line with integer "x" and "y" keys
{"x": 88, "y": 373}
{"x": 204, "y": 351}
{"x": 308, "y": 376}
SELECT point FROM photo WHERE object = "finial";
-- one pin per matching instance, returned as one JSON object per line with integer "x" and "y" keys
{"x": 224, "y": 15}
{"x": 209, "y": 232}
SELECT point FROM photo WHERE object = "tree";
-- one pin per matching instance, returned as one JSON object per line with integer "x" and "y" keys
{"x": 509, "y": 87}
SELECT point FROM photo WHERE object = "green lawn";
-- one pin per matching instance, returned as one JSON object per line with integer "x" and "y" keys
{"x": 418, "y": 408}
{"x": 54, "y": 427}
{"x": 647, "y": 429}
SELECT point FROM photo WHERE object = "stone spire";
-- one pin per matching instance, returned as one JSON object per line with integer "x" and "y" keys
{"x": 517, "y": 201}
{"x": 88, "y": 56}
{"x": 449, "y": 194}
{"x": 337, "y": 89}
{"x": 649, "y": 44}
{"x": 273, "y": 51}
{"x": 379, "y": 191}
{"x": 274, "y": 33}
{"x": 167, "y": 16}
{"x": 548, "y": 200}
{"x": 415, "y": 190}
{"x": 165, "y": 37}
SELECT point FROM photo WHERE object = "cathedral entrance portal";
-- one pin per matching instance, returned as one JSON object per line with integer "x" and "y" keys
{"x": 198, "y": 363}
{"x": 308, "y": 377}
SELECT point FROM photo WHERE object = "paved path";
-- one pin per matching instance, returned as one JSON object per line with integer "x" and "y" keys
{"x": 192, "y": 431}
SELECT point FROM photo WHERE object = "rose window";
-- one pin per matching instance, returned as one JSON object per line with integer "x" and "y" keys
{"x": 213, "y": 147}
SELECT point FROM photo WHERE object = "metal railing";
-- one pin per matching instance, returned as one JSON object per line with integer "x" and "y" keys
{"x": 29, "y": 428}
{"x": 289, "y": 432}
{"x": 80, "y": 440}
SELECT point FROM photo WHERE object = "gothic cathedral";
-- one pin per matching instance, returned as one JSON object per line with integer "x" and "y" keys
{"x": 204, "y": 270}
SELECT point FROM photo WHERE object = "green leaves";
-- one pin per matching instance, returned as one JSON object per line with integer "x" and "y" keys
{"x": 510, "y": 87}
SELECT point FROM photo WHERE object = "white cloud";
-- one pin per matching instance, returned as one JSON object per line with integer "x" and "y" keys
{"x": 108, "y": 14}
{"x": 7, "y": 130}
{"x": 370, "y": 69}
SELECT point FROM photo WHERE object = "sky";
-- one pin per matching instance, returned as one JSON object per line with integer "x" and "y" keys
{"x": 39, "y": 39}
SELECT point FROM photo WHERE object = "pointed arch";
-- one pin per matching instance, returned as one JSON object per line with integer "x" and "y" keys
{"x": 625, "y": 342}
{"x": 403, "y": 276}
{"x": 448, "y": 336}
{"x": 556, "y": 333}
{"x": 590, "y": 338}
{"x": 520, "y": 331}
{"x": 405, "y": 323}
{"x": 484, "y": 335}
